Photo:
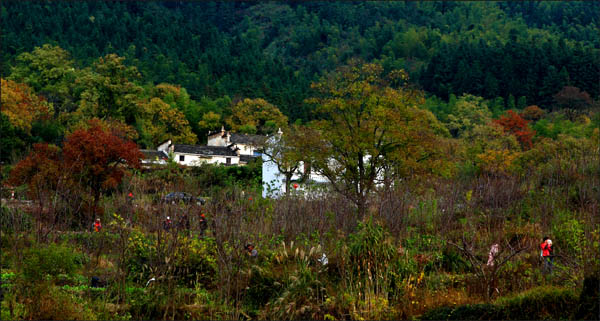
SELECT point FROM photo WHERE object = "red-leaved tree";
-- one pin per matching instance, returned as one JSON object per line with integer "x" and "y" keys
{"x": 46, "y": 179}
{"x": 99, "y": 157}
{"x": 516, "y": 125}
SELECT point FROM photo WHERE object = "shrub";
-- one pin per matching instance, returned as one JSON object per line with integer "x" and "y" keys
{"x": 540, "y": 303}
{"x": 50, "y": 260}
{"x": 46, "y": 302}
{"x": 196, "y": 262}
{"x": 589, "y": 299}
{"x": 146, "y": 304}
{"x": 536, "y": 304}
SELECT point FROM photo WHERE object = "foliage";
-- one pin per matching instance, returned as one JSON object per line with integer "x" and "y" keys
{"x": 539, "y": 303}
{"x": 93, "y": 156}
{"x": 109, "y": 90}
{"x": 273, "y": 51}
{"x": 532, "y": 113}
{"x": 50, "y": 260}
{"x": 22, "y": 106}
{"x": 50, "y": 71}
{"x": 264, "y": 117}
{"x": 516, "y": 125}
{"x": 41, "y": 170}
{"x": 468, "y": 112}
{"x": 162, "y": 122}
{"x": 572, "y": 98}
{"x": 369, "y": 127}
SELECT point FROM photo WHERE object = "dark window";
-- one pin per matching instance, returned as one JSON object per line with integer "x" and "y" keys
{"x": 181, "y": 158}
{"x": 228, "y": 161}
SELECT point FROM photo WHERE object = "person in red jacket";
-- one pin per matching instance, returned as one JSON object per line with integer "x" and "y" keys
{"x": 547, "y": 256}
{"x": 97, "y": 225}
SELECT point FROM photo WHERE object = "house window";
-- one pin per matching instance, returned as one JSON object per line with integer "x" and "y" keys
{"x": 228, "y": 160}
{"x": 181, "y": 158}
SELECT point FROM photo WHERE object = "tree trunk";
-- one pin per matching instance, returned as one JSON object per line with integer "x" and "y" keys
{"x": 288, "y": 178}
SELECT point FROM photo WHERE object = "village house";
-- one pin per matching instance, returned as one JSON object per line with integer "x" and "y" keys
{"x": 246, "y": 146}
{"x": 223, "y": 148}
{"x": 194, "y": 155}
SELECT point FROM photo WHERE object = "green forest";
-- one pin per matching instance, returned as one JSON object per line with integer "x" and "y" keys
{"x": 456, "y": 139}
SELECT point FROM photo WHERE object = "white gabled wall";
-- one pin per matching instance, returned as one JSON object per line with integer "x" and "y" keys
{"x": 196, "y": 160}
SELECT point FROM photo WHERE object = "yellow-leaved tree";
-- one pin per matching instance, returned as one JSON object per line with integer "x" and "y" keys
{"x": 161, "y": 121}
{"x": 22, "y": 106}
{"x": 256, "y": 116}
{"x": 371, "y": 130}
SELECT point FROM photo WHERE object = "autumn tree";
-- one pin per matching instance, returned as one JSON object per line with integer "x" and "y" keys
{"x": 516, "y": 125}
{"x": 257, "y": 113}
{"x": 22, "y": 106}
{"x": 572, "y": 98}
{"x": 40, "y": 170}
{"x": 98, "y": 158}
{"x": 370, "y": 123}
{"x": 51, "y": 72}
{"x": 46, "y": 178}
{"x": 532, "y": 113}
{"x": 161, "y": 121}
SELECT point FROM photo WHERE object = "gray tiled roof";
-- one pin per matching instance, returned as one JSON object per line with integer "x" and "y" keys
{"x": 247, "y": 139}
{"x": 203, "y": 150}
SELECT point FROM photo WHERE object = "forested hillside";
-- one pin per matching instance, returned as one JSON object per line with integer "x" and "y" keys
{"x": 275, "y": 50}
{"x": 434, "y": 160}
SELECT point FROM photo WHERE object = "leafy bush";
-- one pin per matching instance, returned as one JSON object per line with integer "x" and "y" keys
{"x": 196, "y": 262}
{"x": 46, "y": 302}
{"x": 146, "y": 304}
{"x": 52, "y": 260}
{"x": 589, "y": 299}
{"x": 536, "y": 304}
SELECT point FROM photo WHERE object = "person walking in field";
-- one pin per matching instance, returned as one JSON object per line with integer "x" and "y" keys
{"x": 203, "y": 224}
{"x": 97, "y": 226}
{"x": 167, "y": 224}
{"x": 546, "y": 252}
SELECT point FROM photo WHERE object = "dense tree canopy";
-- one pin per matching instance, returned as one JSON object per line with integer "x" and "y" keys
{"x": 274, "y": 50}
{"x": 370, "y": 129}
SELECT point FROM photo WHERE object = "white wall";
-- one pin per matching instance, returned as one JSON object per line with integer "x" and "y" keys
{"x": 246, "y": 149}
{"x": 196, "y": 160}
{"x": 273, "y": 180}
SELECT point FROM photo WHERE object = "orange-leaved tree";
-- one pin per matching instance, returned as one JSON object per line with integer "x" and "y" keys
{"x": 46, "y": 181}
{"x": 40, "y": 170}
{"x": 516, "y": 125}
{"x": 99, "y": 157}
{"x": 22, "y": 106}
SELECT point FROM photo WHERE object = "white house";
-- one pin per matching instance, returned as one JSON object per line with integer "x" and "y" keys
{"x": 246, "y": 146}
{"x": 194, "y": 155}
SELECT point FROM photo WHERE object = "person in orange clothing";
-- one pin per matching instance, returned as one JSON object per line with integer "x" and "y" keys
{"x": 546, "y": 251}
{"x": 203, "y": 224}
{"x": 97, "y": 225}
